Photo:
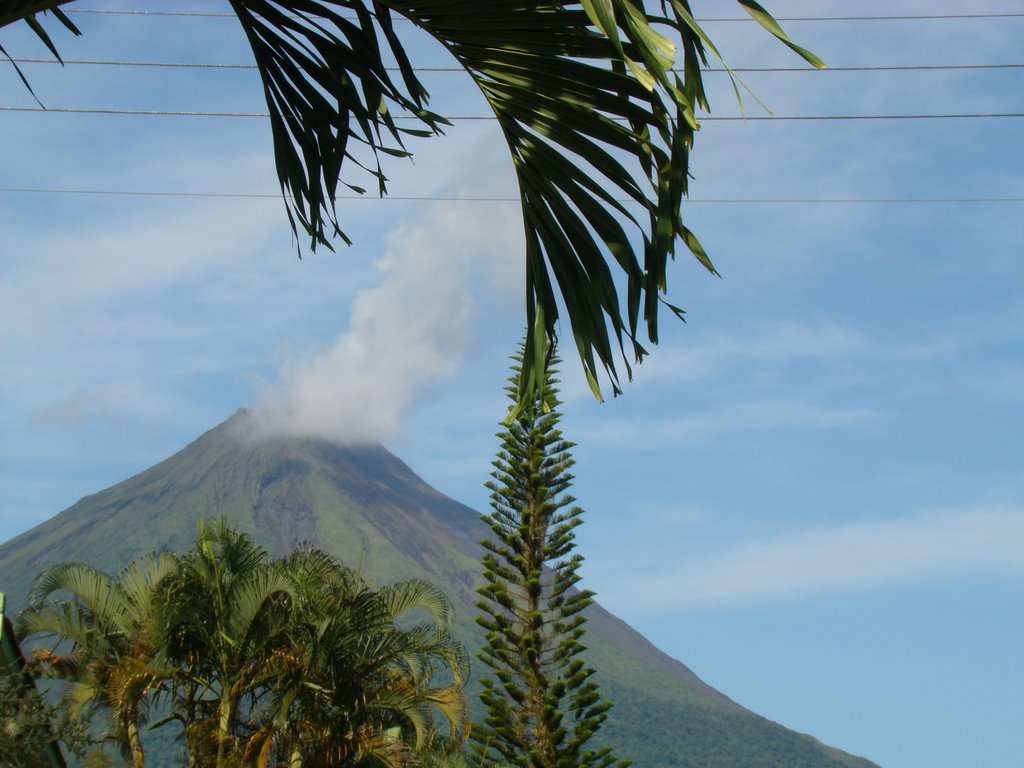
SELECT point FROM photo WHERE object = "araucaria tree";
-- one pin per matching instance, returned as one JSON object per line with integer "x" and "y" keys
{"x": 543, "y": 705}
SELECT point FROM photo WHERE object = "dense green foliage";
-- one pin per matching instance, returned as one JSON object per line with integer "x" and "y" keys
{"x": 542, "y": 705}
{"x": 29, "y": 724}
{"x": 261, "y": 661}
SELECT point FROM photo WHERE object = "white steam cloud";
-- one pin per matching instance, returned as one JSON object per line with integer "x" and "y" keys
{"x": 407, "y": 333}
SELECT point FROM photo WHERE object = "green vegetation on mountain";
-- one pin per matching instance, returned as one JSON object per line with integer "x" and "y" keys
{"x": 368, "y": 509}
{"x": 543, "y": 706}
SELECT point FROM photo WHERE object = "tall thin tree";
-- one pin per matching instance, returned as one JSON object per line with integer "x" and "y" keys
{"x": 543, "y": 705}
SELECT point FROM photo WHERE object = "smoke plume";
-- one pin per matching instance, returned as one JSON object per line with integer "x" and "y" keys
{"x": 409, "y": 332}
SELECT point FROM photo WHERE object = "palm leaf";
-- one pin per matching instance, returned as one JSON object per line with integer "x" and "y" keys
{"x": 107, "y": 610}
{"x": 589, "y": 97}
{"x": 251, "y": 595}
{"x": 139, "y": 580}
{"x": 585, "y": 94}
{"x": 405, "y": 596}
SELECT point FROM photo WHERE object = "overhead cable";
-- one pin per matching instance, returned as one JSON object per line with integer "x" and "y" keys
{"x": 502, "y": 199}
{"x": 460, "y": 70}
{"x": 457, "y": 118}
{"x": 723, "y": 19}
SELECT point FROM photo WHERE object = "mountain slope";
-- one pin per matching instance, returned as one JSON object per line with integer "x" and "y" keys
{"x": 368, "y": 508}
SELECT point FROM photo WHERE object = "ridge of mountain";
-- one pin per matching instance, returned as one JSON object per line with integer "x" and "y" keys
{"x": 364, "y": 505}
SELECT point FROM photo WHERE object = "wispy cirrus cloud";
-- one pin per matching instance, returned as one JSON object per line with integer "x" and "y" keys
{"x": 836, "y": 559}
{"x": 779, "y": 343}
{"x": 773, "y": 414}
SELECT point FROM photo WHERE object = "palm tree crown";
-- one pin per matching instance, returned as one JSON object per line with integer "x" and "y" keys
{"x": 263, "y": 661}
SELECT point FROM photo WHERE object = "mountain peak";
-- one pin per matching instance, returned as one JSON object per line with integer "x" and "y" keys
{"x": 364, "y": 505}
{"x": 252, "y": 426}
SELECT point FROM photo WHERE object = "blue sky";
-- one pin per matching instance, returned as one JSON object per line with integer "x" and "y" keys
{"x": 812, "y": 491}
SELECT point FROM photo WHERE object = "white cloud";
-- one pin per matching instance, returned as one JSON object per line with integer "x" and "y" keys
{"x": 857, "y": 556}
{"x": 772, "y": 415}
{"x": 781, "y": 343}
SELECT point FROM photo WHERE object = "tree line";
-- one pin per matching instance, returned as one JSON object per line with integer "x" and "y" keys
{"x": 260, "y": 661}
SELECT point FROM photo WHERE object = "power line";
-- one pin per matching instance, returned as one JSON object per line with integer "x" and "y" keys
{"x": 906, "y": 17}
{"x": 500, "y": 199}
{"x": 456, "y": 118}
{"x": 460, "y": 70}
{"x": 724, "y": 19}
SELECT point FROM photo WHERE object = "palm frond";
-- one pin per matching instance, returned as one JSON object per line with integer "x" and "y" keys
{"x": 99, "y": 603}
{"x": 405, "y": 596}
{"x": 251, "y": 595}
{"x": 596, "y": 99}
{"x": 140, "y": 578}
{"x": 330, "y": 94}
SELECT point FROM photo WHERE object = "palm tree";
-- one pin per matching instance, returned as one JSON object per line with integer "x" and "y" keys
{"x": 597, "y": 100}
{"x": 226, "y": 613}
{"x": 105, "y": 641}
{"x": 257, "y": 658}
{"x": 357, "y": 684}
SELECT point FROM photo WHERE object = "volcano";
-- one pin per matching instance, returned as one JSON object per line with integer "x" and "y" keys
{"x": 365, "y": 506}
